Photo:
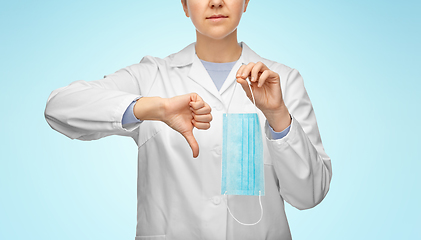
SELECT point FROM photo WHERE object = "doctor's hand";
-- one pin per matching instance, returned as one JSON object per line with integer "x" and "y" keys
{"x": 184, "y": 112}
{"x": 266, "y": 87}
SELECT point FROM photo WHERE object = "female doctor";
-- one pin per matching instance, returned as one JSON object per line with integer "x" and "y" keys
{"x": 175, "y": 105}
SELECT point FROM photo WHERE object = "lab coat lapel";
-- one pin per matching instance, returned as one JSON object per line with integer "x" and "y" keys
{"x": 246, "y": 54}
{"x": 232, "y": 78}
{"x": 199, "y": 74}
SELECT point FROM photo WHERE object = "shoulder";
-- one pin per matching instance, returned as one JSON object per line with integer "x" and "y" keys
{"x": 291, "y": 80}
{"x": 283, "y": 70}
{"x": 148, "y": 67}
{"x": 181, "y": 58}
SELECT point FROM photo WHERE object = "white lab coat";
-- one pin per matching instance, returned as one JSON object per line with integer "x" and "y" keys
{"x": 179, "y": 197}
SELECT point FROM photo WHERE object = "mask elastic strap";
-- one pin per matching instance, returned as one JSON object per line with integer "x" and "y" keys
{"x": 252, "y": 95}
{"x": 247, "y": 224}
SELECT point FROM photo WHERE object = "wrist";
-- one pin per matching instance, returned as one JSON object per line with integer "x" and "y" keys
{"x": 149, "y": 108}
{"x": 279, "y": 119}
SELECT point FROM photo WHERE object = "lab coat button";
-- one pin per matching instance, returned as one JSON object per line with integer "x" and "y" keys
{"x": 218, "y": 150}
{"x": 216, "y": 200}
{"x": 218, "y": 107}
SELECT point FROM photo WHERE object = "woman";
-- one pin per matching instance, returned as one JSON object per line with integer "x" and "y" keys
{"x": 162, "y": 103}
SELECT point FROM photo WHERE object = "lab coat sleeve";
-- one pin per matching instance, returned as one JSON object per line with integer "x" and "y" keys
{"x": 91, "y": 110}
{"x": 128, "y": 116}
{"x": 302, "y": 167}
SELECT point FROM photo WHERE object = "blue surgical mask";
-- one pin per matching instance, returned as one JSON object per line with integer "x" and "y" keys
{"x": 242, "y": 156}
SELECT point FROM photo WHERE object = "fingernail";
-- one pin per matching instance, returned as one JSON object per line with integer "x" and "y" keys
{"x": 252, "y": 79}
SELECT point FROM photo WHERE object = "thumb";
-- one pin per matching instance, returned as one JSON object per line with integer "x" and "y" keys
{"x": 192, "y": 142}
{"x": 193, "y": 97}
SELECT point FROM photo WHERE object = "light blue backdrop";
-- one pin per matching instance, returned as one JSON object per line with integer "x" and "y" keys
{"x": 360, "y": 61}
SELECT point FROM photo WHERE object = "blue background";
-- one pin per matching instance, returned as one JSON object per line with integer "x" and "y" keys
{"x": 360, "y": 61}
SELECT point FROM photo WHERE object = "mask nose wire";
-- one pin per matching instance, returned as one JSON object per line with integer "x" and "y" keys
{"x": 247, "y": 224}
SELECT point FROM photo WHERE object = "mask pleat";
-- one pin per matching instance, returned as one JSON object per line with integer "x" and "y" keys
{"x": 224, "y": 154}
{"x": 244, "y": 157}
{"x": 251, "y": 154}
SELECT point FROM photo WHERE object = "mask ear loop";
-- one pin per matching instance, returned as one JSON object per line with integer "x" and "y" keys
{"x": 247, "y": 224}
{"x": 252, "y": 95}
{"x": 260, "y": 195}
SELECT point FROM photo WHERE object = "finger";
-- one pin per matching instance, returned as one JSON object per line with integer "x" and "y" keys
{"x": 192, "y": 142}
{"x": 246, "y": 88}
{"x": 263, "y": 77}
{"x": 197, "y": 105}
{"x": 202, "y": 118}
{"x": 246, "y": 71}
{"x": 193, "y": 97}
{"x": 204, "y": 110}
{"x": 201, "y": 125}
{"x": 255, "y": 71}
{"x": 197, "y": 102}
{"x": 240, "y": 70}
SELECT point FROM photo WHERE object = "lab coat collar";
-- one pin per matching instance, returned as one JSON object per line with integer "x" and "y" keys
{"x": 187, "y": 55}
{"x": 199, "y": 74}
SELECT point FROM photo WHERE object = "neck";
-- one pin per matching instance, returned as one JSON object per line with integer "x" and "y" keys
{"x": 218, "y": 50}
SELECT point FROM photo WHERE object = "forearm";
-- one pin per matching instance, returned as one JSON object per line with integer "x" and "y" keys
{"x": 149, "y": 108}
{"x": 81, "y": 111}
{"x": 304, "y": 175}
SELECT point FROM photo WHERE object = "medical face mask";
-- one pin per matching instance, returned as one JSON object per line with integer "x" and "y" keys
{"x": 242, "y": 156}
